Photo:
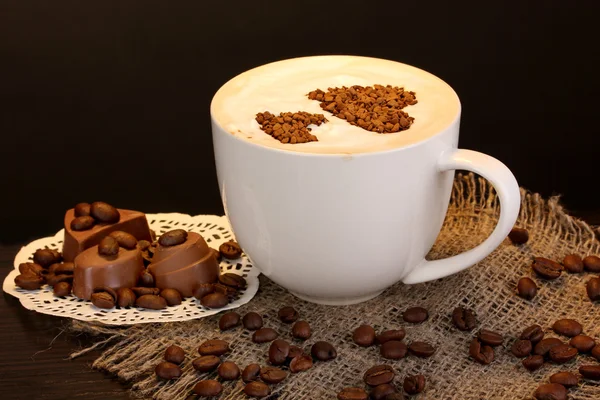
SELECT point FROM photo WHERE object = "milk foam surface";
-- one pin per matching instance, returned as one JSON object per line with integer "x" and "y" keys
{"x": 283, "y": 86}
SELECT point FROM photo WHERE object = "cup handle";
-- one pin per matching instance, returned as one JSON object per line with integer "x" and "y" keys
{"x": 510, "y": 201}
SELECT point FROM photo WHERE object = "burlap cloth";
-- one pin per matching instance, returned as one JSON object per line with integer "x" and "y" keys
{"x": 488, "y": 288}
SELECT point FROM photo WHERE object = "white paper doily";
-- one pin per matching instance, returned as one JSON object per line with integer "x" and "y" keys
{"x": 215, "y": 230}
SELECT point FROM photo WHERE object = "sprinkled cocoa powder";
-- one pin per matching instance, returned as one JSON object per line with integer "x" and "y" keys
{"x": 290, "y": 127}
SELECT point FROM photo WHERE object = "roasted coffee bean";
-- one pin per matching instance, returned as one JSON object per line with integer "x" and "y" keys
{"x": 380, "y": 392}
{"x": 235, "y": 281}
{"x": 214, "y": 300}
{"x": 518, "y": 236}
{"x": 172, "y": 296}
{"x": 251, "y": 373}
{"x": 143, "y": 245}
{"x": 590, "y": 372}
{"x": 591, "y": 263}
{"x": 287, "y": 314}
{"x": 463, "y": 319}
{"x": 379, "y": 374}
{"x": 52, "y": 279}
{"x": 264, "y": 335}
{"x": 544, "y": 346}
{"x": 352, "y": 393}
{"x": 415, "y": 315}
{"x": 323, "y": 351}
{"x": 364, "y": 335}
{"x": 301, "y": 363}
{"x": 33, "y": 268}
{"x": 82, "y": 209}
{"x": 228, "y": 291}
{"x": 414, "y": 384}
{"x": 582, "y": 343}
{"x": 50, "y": 269}
{"x": 229, "y": 321}
{"x": 173, "y": 237}
{"x": 46, "y": 257}
{"x": 64, "y": 268}
{"x": 208, "y": 388}
{"x": 140, "y": 291}
{"x": 550, "y": 391}
{"x": 257, "y": 390}
{"x": 295, "y": 351}
{"x": 533, "y": 362}
{"x": 534, "y": 334}
{"x": 29, "y": 281}
{"x": 596, "y": 352}
{"x": 272, "y": 374}
{"x": 490, "y": 338}
{"x": 567, "y": 327}
{"x": 421, "y": 349}
{"x": 482, "y": 354}
{"x": 62, "y": 289}
{"x": 521, "y": 348}
{"x": 546, "y": 268}
{"x": 252, "y": 321}
{"x": 82, "y": 223}
{"x": 393, "y": 350}
{"x": 526, "y": 288}
{"x": 108, "y": 247}
{"x": 125, "y": 240}
{"x": 167, "y": 370}
{"x": 567, "y": 379}
{"x": 174, "y": 354}
{"x": 146, "y": 279}
{"x": 301, "y": 330}
{"x": 206, "y": 363}
{"x": 278, "y": 351}
{"x": 394, "y": 396}
{"x": 228, "y": 371}
{"x": 216, "y": 254}
{"x": 213, "y": 347}
{"x": 392, "y": 334}
{"x": 573, "y": 263}
{"x": 593, "y": 289}
{"x": 230, "y": 250}
{"x": 104, "y": 297}
{"x": 562, "y": 353}
{"x": 151, "y": 302}
{"x": 103, "y": 212}
{"x": 203, "y": 289}
{"x": 125, "y": 297}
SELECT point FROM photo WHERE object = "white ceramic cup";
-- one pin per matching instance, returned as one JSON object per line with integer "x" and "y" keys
{"x": 334, "y": 229}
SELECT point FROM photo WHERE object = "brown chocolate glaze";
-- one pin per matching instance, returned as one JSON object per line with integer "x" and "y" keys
{"x": 133, "y": 222}
{"x": 184, "y": 266}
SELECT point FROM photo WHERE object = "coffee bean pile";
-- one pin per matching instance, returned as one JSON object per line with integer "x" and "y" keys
{"x": 375, "y": 108}
{"x": 290, "y": 127}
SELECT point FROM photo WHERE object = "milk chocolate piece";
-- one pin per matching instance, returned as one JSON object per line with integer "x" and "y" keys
{"x": 133, "y": 222}
{"x": 93, "y": 270}
{"x": 184, "y": 266}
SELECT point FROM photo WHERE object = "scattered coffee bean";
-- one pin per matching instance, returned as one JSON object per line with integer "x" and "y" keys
{"x": 151, "y": 302}
{"x": 82, "y": 223}
{"x": 228, "y": 291}
{"x": 287, "y": 315}
{"x": 582, "y": 343}
{"x": 567, "y": 327}
{"x": 104, "y": 298}
{"x": 392, "y": 334}
{"x": 213, "y": 347}
{"x": 596, "y": 352}
{"x": 167, "y": 370}
{"x": 546, "y": 268}
{"x": 103, "y": 212}
{"x": 203, "y": 289}
{"x": 591, "y": 263}
{"x": 414, "y": 384}
{"x": 573, "y": 263}
{"x": 301, "y": 330}
{"x": 228, "y": 371}
{"x": 216, "y": 254}
{"x": 490, "y": 338}
{"x": 46, "y": 257}
{"x": 393, "y": 350}
{"x": 29, "y": 281}
{"x": 172, "y": 296}
{"x": 208, "y": 388}
{"x": 415, "y": 315}
{"x": 278, "y": 351}
{"x": 272, "y": 374}
{"x": 482, "y": 354}
{"x": 521, "y": 348}
{"x": 125, "y": 240}
{"x": 82, "y": 209}
{"x": 518, "y": 236}
{"x": 364, "y": 335}
{"x": 534, "y": 334}
{"x": 215, "y": 300}
{"x": 251, "y": 373}
{"x": 36, "y": 269}
{"x": 323, "y": 351}
{"x": 52, "y": 279}
{"x": 533, "y": 363}
{"x": 379, "y": 374}
{"x": 174, "y": 354}
{"x": 206, "y": 363}
{"x": 64, "y": 268}
{"x": 230, "y": 250}
{"x": 108, "y": 247}
{"x": 257, "y": 390}
{"x": 62, "y": 289}
{"x": 544, "y": 346}
{"x": 50, "y": 269}
{"x": 233, "y": 280}
{"x": 173, "y": 237}
{"x": 567, "y": 379}
{"x": 229, "y": 321}
{"x": 295, "y": 351}
{"x": 140, "y": 291}
{"x": 264, "y": 335}
{"x": 301, "y": 363}
{"x": 421, "y": 349}
{"x": 590, "y": 372}
{"x": 252, "y": 321}
{"x": 381, "y": 391}
{"x": 562, "y": 353}
{"x": 593, "y": 289}
{"x": 550, "y": 391}
{"x": 352, "y": 393}
{"x": 526, "y": 288}
{"x": 463, "y": 319}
